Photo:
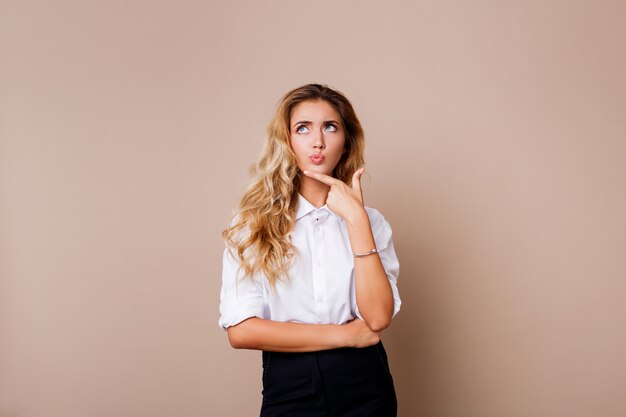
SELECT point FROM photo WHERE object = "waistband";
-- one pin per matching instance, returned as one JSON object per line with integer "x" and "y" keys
{"x": 327, "y": 352}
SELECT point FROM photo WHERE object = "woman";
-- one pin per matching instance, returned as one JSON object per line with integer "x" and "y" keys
{"x": 310, "y": 273}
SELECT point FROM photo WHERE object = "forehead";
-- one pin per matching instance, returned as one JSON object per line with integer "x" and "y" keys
{"x": 313, "y": 110}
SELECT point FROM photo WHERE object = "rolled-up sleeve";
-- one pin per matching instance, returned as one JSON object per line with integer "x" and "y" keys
{"x": 381, "y": 229}
{"x": 240, "y": 297}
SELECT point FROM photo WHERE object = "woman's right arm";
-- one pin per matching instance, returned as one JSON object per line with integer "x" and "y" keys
{"x": 275, "y": 336}
{"x": 241, "y": 309}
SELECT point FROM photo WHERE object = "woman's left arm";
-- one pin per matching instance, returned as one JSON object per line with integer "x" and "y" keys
{"x": 374, "y": 295}
{"x": 373, "y": 291}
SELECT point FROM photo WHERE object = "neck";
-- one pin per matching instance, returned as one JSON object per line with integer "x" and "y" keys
{"x": 314, "y": 191}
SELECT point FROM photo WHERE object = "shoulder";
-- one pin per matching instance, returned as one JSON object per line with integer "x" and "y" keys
{"x": 238, "y": 229}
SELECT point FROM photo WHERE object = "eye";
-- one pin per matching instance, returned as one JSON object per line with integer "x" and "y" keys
{"x": 330, "y": 127}
{"x": 300, "y": 128}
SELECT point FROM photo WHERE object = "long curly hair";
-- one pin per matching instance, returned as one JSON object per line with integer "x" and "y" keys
{"x": 260, "y": 227}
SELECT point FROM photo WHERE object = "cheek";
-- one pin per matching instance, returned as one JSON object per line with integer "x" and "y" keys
{"x": 339, "y": 147}
{"x": 297, "y": 148}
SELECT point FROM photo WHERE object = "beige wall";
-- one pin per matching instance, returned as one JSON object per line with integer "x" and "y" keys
{"x": 496, "y": 148}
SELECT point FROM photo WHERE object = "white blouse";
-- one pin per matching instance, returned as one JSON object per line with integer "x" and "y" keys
{"x": 320, "y": 288}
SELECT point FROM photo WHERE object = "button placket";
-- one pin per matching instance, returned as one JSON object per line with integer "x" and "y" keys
{"x": 319, "y": 268}
{"x": 314, "y": 263}
{"x": 318, "y": 218}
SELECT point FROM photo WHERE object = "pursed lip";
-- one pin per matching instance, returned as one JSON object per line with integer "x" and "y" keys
{"x": 317, "y": 158}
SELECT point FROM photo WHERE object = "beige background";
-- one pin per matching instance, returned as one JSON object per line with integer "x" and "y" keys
{"x": 496, "y": 149}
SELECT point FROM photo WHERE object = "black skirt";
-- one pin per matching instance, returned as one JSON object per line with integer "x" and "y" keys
{"x": 330, "y": 383}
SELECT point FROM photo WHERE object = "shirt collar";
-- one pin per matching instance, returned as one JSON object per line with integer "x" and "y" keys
{"x": 305, "y": 207}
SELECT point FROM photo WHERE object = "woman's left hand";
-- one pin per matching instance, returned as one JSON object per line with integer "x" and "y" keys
{"x": 346, "y": 201}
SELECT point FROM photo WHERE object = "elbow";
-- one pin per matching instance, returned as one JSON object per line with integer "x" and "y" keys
{"x": 241, "y": 335}
{"x": 380, "y": 321}
{"x": 379, "y": 317}
{"x": 378, "y": 325}
{"x": 236, "y": 338}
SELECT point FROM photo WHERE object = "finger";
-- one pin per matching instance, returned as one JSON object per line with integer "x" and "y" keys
{"x": 326, "y": 179}
{"x": 356, "y": 179}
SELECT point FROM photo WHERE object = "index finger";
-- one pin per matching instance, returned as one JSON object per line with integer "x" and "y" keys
{"x": 326, "y": 179}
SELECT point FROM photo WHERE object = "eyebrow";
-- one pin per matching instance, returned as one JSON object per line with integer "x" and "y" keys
{"x": 309, "y": 122}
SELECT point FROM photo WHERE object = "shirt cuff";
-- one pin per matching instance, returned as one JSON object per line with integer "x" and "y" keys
{"x": 229, "y": 320}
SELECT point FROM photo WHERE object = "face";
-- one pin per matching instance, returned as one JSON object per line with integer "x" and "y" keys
{"x": 317, "y": 136}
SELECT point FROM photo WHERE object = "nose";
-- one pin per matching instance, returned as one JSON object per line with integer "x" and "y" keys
{"x": 318, "y": 141}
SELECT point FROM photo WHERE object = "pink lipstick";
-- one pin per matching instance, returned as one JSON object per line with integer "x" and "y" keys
{"x": 317, "y": 159}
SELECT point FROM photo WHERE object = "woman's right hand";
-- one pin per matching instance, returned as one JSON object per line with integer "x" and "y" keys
{"x": 359, "y": 335}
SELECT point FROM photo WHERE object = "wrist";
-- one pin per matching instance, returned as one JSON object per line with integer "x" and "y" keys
{"x": 343, "y": 337}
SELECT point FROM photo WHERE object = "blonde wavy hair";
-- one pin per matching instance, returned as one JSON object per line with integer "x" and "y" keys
{"x": 260, "y": 227}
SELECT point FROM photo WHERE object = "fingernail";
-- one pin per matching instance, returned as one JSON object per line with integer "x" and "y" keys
{"x": 306, "y": 172}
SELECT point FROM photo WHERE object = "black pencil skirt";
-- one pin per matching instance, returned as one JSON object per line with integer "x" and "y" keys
{"x": 330, "y": 383}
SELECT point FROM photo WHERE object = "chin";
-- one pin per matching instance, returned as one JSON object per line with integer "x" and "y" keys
{"x": 320, "y": 169}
